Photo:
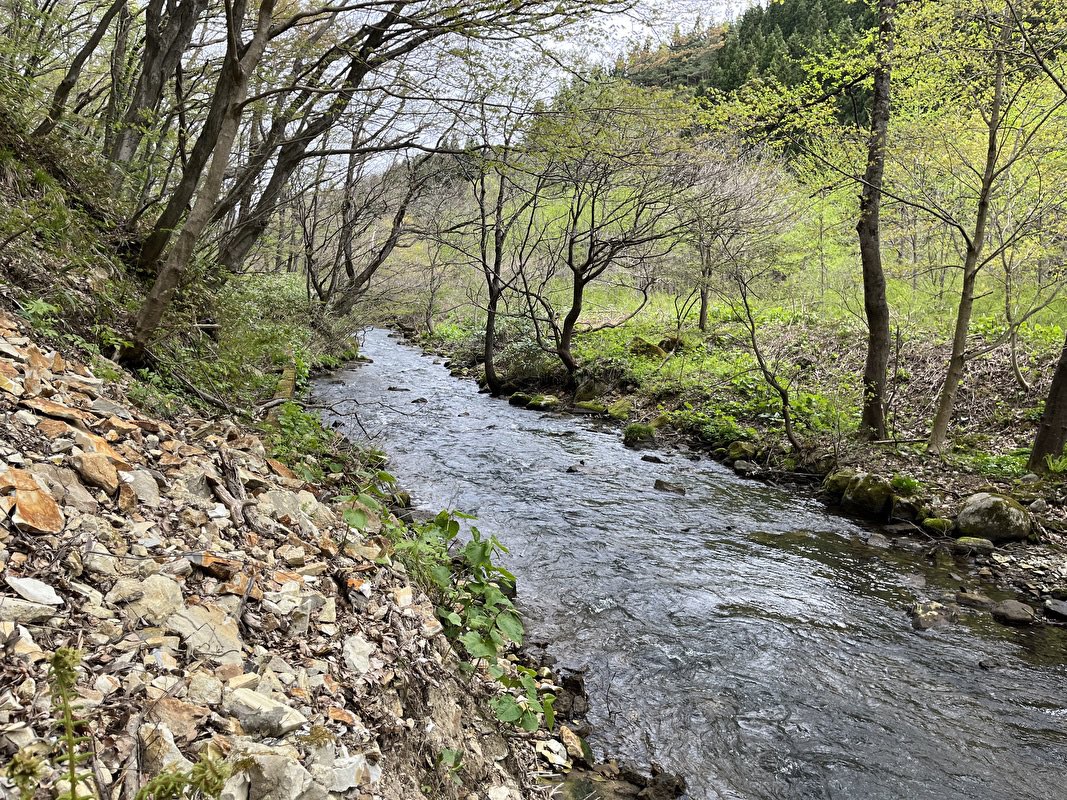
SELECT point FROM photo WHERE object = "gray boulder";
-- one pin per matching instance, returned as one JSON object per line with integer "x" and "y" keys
{"x": 869, "y": 495}
{"x": 993, "y": 517}
{"x": 1012, "y": 612}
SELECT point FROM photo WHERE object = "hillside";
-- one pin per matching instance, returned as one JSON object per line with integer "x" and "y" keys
{"x": 769, "y": 41}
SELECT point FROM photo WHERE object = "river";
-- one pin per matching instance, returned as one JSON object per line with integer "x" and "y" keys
{"x": 738, "y": 635}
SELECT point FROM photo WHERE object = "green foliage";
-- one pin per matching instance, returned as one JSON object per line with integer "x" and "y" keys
{"x": 205, "y": 780}
{"x": 451, "y": 760}
{"x": 472, "y": 591}
{"x": 905, "y": 485}
{"x": 996, "y": 465}
{"x": 715, "y": 427}
{"x": 25, "y": 770}
{"x": 769, "y": 42}
{"x": 151, "y": 392}
{"x": 73, "y": 748}
{"x": 42, "y": 315}
{"x": 1057, "y": 465}
{"x": 527, "y": 707}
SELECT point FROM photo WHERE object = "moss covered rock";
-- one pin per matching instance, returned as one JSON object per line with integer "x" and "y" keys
{"x": 621, "y": 409}
{"x": 741, "y": 451}
{"x": 972, "y": 544}
{"x": 588, "y": 390}
{"x": 836, "y": 482}
{"x": 869, "y": 495}
{"x": 543, "y": 402}
{"x": 994, "y": 517}
{"x": 939, "y": 525}
{"x": 645, "y": 349}
{"x": 591, "y": 407}
{"x": 520, "y": 399}
{"x": 638, "y": 433}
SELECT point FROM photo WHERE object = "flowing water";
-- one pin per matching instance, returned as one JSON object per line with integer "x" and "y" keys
{"x": 737, "y": 635}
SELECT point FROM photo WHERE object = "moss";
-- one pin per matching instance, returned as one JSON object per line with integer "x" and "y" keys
{"x": 520, "y": 399}
{"x": 543, "y": 402}
{"x": 938, "y": 525}
{"x": 645, "y": 349}
{"x": 621, "y": 409}
{"x": 741, "y": 451}
{"x": 591, "y": 406}
{"x": 637, "y": 433}
{"x": 836, "y": 482}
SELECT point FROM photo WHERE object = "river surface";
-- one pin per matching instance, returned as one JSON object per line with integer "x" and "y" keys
{"x": 737, "y": 635}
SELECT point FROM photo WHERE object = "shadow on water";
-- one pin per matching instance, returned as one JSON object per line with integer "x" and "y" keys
{"x": 737, "y": 635}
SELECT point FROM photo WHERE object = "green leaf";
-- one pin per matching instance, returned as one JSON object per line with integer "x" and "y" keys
{"x": 476, "y": 646}
{"x": 511, "y": 626}
{"x": 356, "y": 518}
{"x": 529, "y": 722}
{"x": 506, "y": 708}
{"x": 547, "y": 702}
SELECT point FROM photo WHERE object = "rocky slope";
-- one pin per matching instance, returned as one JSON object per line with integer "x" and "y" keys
{"x": 222, "y": 607}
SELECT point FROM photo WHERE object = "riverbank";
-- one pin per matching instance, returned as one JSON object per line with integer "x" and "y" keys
{"x": 229, "y": 624}
{"x": 1006, "y": 533}
{"x": 735, "y": 634}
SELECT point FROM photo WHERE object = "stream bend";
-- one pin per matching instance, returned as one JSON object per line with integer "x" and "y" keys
{"x": 737, "y": 635}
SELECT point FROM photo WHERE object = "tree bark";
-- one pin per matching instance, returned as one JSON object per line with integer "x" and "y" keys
{"x": 164, "y": 46}
{"x": 239, "y": 63}
{"x": 946, "y": 402}
{"x": 66, "y": 86}
{"x": 1052, "y": 429}
{"x": 868, "y": 228}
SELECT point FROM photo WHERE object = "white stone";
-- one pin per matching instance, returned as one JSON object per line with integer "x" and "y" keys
{"x": 259, "y": 713}
{"x": 153, "y": 599}
{"x": 356, "y": 653}
{"x": 208, "y": 631}
{"x": 35, "y": 591}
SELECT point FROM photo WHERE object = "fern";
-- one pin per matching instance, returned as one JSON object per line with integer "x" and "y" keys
{"x": 204, "y": 780}
{"x": 72, "y": 752}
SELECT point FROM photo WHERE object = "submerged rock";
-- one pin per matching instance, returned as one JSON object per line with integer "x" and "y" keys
{"x": 1013, "y": 612}
{"x": 666, "y": 486}
{"x": 974, "y": 600}
{"x": 993, "y": 517}
{"x": 931, "y": 615}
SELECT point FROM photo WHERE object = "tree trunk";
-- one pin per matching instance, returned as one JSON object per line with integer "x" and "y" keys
{"x": 946, "y": 402}
{"x": 1052, "y": 429}
{"x": 868, "y": 228}
{"x": 163, "y": 49}
{"x": 233, "y": 79}
{"x": 705, "y": 300}
{"x": 492, "y": 379}
{"x": 66, "y": 86}
{"x": 566, "y": 334}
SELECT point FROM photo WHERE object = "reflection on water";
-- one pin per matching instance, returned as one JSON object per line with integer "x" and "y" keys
{"x": 737, "y": 635}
